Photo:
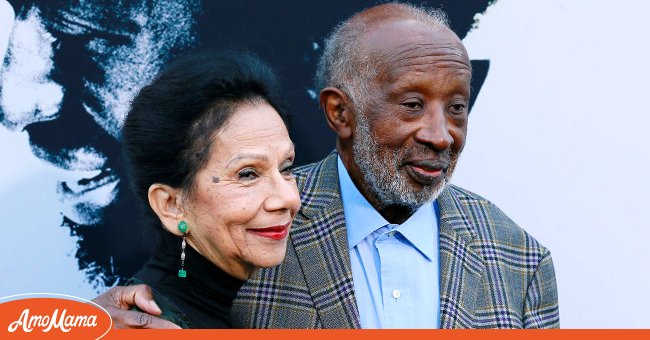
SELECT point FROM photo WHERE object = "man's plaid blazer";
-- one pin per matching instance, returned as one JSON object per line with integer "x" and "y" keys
{"x": 492, "y": 273}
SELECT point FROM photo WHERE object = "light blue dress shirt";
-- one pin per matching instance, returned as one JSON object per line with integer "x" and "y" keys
{"x": 394, "y": 267}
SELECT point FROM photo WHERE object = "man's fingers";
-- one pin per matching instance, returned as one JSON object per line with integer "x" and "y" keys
{"x": 142, "y": 296}
{"x": 138, "y": 295}
{"x": 119, "y": 301}
{"x": 146, "y": 304}
{"x": 133, "y": 319}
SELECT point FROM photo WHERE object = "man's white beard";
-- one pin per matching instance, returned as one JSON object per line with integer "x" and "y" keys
{"x": 380, "y": 165}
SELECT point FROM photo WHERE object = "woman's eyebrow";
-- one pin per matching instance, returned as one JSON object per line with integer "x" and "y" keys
{"x": 291, "y": 148}
{"x": 258, "y": 155}
{"x": 248, "y": 155}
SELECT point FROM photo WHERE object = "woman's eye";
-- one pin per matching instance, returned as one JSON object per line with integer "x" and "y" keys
{"x": 247, "y": 174}
{"x": 288, "y": 171}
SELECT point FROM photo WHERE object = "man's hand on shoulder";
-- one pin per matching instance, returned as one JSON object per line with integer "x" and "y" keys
{"x": 118, "y": 301}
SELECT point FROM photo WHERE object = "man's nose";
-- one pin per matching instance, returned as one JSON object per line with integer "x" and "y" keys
{"x": 434, "y": 129}
{"x": 27, "y": 92}
{"x": 283, "y": 194}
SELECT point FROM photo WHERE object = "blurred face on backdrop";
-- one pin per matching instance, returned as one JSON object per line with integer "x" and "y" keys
{"x": 69, "y": 72}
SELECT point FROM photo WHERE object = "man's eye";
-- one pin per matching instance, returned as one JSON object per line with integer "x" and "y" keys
{"x": 412, "y": 105}
{"x": 247, "y": 174}
{"x": 457, "y": 108}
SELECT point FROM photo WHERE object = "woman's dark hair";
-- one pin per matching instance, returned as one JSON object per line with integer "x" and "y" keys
{"x": 167, "y": 134}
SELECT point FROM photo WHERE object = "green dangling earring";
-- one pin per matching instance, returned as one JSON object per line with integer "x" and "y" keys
{"x": 183, "y": 227}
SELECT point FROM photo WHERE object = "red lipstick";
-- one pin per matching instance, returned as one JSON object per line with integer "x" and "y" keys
{"x": 277, "y": 232}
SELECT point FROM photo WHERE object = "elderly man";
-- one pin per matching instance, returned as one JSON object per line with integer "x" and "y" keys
{"x": 382, "y": 239}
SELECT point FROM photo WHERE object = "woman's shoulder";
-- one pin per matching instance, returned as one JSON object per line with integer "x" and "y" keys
{"x": 170, "y": 311}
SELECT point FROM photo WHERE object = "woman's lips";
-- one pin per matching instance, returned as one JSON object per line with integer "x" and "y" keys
{"x": 277, "y": 232}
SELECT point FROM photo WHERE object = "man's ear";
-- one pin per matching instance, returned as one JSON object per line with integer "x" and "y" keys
{"x": 165, "y": 202}
{"x": 338, "y": 111}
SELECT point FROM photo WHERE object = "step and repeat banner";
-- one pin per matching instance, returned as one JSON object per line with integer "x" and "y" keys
{"x": 557, "y": 130}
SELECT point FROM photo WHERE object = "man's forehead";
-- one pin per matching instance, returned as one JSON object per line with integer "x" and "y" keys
{"x": 403, "y": 38}
{"x": 69, "y": 21}
{"x": 84, "y": 17}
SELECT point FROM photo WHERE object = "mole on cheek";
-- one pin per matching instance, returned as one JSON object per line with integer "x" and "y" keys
{"x": 215, "y": 179}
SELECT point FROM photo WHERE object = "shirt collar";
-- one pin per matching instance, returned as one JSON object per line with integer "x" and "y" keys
{"x": 361, "y": 218}
{"x": 421, "y": 229}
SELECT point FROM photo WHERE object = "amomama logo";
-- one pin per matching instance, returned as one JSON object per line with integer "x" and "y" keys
{"x": 29, "y": 316}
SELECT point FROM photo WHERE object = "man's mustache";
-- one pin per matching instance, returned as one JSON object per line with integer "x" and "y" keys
{"x": 425, "y": 155}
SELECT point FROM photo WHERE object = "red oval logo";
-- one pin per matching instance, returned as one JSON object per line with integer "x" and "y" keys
{"x": 33, "y": 317}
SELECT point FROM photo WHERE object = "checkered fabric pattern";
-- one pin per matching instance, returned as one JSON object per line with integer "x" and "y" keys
{"x": 493, "y": 274}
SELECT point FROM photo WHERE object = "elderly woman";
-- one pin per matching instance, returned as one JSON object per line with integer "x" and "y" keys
{"x": 210, "y": 158}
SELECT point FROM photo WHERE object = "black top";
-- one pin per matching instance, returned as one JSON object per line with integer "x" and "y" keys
{"x": 201, "y": 300}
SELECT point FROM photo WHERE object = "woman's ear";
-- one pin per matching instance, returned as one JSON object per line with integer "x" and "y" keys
{"x": 165, "y": 202}
{"x": 338, "y": 111}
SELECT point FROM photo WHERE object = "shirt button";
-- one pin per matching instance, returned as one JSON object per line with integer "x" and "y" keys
{"x": 391, "y": 234}
{"x": 396, "y": 293}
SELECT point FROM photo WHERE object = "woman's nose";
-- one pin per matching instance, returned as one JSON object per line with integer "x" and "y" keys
{"x": 283, "y": 194}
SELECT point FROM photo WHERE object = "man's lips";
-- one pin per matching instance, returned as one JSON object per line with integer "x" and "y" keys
{"x": 84, "y": 193}
{"x": 277, "y": 232}
{"x": 426, "y": 172}
{"x": 92, "y": 180}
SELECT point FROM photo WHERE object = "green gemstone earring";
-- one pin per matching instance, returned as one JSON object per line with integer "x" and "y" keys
{"x": 183, "y": 227}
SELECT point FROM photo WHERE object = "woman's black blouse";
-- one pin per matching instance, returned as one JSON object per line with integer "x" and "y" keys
{"x": 203, "y": 299}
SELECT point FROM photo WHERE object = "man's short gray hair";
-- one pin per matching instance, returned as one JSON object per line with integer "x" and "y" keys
{"x": 346, "y": 66}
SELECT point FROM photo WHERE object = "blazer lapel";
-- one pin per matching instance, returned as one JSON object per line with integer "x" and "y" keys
{"x": 320, "y": 240}
{"x": 461, "y": 265}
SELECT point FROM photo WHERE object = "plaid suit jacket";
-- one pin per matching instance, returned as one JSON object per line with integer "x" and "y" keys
{"x": 492, "y": 273}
